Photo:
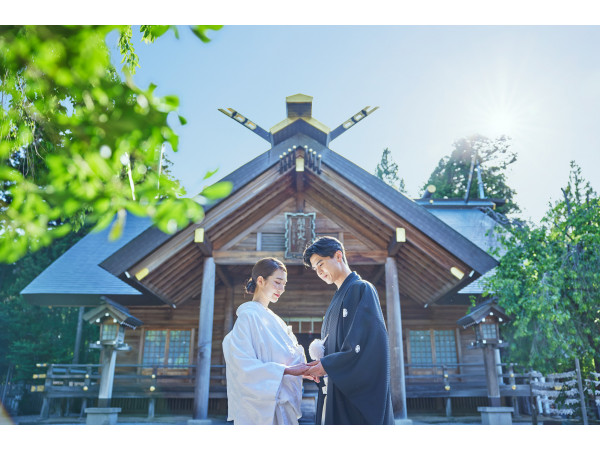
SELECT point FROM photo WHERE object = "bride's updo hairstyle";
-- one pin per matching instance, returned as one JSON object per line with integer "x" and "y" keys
{"x": 263, "y": 268}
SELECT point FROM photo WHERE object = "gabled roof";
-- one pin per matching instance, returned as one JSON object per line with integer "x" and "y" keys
{"x": 411, "y": 211}
{"x": 414, "y": 213}
{"x": 481, "y": 311}
{"x": 113, "y": 309}
{"x": 470, "y": 221}
{"x": 333, "y": 189}
{"x": 75, "y": 277}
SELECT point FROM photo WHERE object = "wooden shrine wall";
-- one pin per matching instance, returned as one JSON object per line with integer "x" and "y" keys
{"x": 305, "y": 296}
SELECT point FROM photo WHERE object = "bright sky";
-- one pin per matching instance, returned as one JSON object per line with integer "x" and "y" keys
{"x": 433, "y": 85}
{"x": 539, "y": 85}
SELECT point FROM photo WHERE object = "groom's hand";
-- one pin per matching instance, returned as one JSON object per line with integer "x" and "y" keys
{"x": 308, "y": 377}
{"x": 316, "y": 369}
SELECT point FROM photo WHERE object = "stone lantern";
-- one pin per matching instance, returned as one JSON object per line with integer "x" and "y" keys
{"x": 113, "y": 319}
{"x": 486, "y": 319}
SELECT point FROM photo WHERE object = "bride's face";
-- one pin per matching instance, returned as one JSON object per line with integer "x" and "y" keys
{"x": 273, "y": 286}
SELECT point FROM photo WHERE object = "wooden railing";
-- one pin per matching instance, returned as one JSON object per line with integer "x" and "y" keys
{"x": 130, "y": 381}
{"x": 159, "y": 381}
{"x": 462, "y": 380}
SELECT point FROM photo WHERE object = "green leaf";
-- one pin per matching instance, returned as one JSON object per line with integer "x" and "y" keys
{"x": 217, "y": 190}
{"x": 210, "y": 173}
{"x": 171, "y": 100}
{"x": 200, "y": 31}
{"x": 182, "y": 120}
{"x": 117, "y": 228}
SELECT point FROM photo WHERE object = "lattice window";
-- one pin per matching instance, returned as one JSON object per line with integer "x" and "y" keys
{"x": 445, "y": 347}
{"x": 179, "y": 347}
{"x": 420, "y": 347}
{"x": 489, "y": 331}
{"x": 304, "y": 324}
{"x": 272, "y": 242}
{"x": 109, "y": 332}
{"x": 155, "y": 343}
{"x": 429, "y": 347}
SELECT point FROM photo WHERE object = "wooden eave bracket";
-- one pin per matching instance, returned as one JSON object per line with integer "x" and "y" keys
{"x": 397, "y": 241}
{"x": 203, "y": 242}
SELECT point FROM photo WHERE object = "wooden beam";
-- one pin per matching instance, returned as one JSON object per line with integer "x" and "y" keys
{"x": 159, "y": 256}
{"x": 224, "y": 278}
{"x": 175, "y": 270}
{"x": 332, "y": 213}
{"x": 300, "y": 191}
{"x": 205, "y": 326}
{"x": 397, "y": 241}
{"x": 229, "y": 229}
{"x": 228, "y": 257}
{"x": 349, "y": 211}
{"x": 394, "y": 320}
{"x": 377, "y": 276}
{"x": 246, "y": 195}
{"x": 202, "y": 241}
{"x": 256, "y": 225}
{"x": 133, "y": 282}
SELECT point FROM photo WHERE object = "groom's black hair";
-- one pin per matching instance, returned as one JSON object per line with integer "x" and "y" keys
{"x": 323, "y": 246}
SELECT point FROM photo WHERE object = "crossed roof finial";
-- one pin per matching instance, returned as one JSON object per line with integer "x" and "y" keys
{"x": 299, "y": 107}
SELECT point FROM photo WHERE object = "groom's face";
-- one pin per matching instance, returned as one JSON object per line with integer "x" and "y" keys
{"x": 328, "y": 268}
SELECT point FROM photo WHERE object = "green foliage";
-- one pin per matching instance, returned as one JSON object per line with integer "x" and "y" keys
{"x": 387, "y": 170}
{"x": 549, "y": 282}
{"x": 200, "y": 31}
{"x": 77, "y": 144}
{"x": 130, "y": 59}
{"x": 451, "y": 176}
{"x": 34, "y": 334}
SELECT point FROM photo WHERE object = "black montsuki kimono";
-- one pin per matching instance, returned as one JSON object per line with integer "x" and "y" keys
{"x": 357, "y": 358}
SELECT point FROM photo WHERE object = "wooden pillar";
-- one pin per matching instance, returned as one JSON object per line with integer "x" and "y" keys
{"x": 394, "y": 321}
{"x": 77, "y": 348}
{"x": 229, "y": 313}
{"x": 205, "y": 328}
{"x": 580, "y": 389}
{"x": 227, "y": 324}
{"x": 109, "y": 358}
{"x": 489, "y": 359}
{"x": 47, "y": 403}
{"x": 151, "y": 408}
{"x": 498, "y": 362}
{"x": 229, "y": 310}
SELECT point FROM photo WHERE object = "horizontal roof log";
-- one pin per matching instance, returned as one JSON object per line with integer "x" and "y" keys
{"x": 228, "y": 257}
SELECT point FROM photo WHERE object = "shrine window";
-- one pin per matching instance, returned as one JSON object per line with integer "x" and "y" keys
{"x": 272, "y": 242}
{"x": 429, "y": 347}
{"x": 167, "y": 348}
{"x": 300, "y": 325}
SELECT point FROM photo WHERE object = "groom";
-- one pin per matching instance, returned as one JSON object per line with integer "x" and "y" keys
{"x": 355, "y": 368}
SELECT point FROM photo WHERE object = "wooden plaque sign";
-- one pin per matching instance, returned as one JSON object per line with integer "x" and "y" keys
{"x": 299, "y": 231}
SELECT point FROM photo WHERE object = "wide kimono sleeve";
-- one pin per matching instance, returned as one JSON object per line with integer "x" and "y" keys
{"x": 252, "y": 385}
{"x": 360, "y": 369}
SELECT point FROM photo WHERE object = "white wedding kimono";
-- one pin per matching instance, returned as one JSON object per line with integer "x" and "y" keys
{"x": 257, "y": 351}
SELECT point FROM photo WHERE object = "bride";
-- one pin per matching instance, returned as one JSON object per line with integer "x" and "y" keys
{"x": 264, "y": 362}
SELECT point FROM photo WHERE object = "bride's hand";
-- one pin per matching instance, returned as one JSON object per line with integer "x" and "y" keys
{"x": 297, "y": 370}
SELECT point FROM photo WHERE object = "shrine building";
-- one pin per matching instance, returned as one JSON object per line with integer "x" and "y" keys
{"x": 424, "y": 257}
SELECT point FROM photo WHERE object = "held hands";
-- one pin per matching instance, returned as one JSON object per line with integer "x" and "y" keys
{"x": 316, "y": 370}
{"x": 298, "y": 369}
{"x": 312, "y": 370}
